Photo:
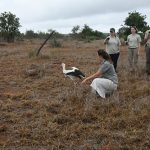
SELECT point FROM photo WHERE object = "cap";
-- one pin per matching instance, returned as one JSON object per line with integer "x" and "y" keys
{"x": 112, "y": 30}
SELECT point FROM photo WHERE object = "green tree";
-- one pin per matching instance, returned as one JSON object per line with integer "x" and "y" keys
{"x": 99, "y": 34}
{"x": 76, "y": 32}
{"x": 56, "y": 33}
{"x": 42, "y": 35}
{"x": 30, "y": 34}
{"x": 89, "y": 34}
{"x": 9, "y": 26}
{"x": 75, "y": 29}
{"x": 124, "y": 31}
{"x": 86, "y": 31}
{"x": 134, "y": 19}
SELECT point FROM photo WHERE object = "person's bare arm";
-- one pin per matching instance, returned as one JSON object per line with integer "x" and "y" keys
{"x": 139, "y": 47}
{"x": 93, "y": 76}
{"x": 147, "y": 38}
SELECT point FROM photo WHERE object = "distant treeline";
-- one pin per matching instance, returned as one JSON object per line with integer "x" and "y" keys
{"x": 86, "y": 33}
{"x": 10, "y": 24}
{"x": 30, "y": 34}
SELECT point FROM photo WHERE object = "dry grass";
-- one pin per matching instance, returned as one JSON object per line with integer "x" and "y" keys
{"x": 47, "y": 111}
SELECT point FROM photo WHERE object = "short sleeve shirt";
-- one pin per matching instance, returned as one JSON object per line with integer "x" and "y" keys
{"x": 133, "y": 40}
{"x": 108, "y": 72}
{"x": 146, "y": 35}
{"x": 112, "y": 47}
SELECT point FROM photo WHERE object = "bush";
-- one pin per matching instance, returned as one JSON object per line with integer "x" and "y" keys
{"x": 55, "y": 43}
{"x": 31, "y": 54}
{"x": 9, "y": 26}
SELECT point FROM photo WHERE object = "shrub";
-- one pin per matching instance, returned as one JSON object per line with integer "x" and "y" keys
{"x": 55, "y": 43}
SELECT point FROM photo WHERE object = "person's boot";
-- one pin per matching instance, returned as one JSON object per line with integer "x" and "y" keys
{"x": 148, "y": 68}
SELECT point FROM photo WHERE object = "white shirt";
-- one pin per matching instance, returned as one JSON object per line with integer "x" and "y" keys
{"x": 146, "y": 35}
{"x": 112, "y": 46}
{"x": 133, "y": 40}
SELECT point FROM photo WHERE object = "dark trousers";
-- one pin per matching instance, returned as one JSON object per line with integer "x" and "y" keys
{"x": 147, "y": 50}
{"x": 114, "y": 58}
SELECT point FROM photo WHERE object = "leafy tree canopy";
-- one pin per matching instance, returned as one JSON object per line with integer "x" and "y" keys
{"x": 9, "y": 26}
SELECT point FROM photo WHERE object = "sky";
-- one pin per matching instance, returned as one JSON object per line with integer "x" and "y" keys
{"x": 63, "y": 15}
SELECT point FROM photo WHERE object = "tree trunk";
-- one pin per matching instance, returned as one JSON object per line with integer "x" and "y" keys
{"x": 10, "y": 38}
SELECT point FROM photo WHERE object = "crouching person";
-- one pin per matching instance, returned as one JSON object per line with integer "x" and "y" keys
{"x": 105, "y": 80}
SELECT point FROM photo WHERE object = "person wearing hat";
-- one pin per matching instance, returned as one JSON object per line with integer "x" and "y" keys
{"x": 113, "y": 43}
{"x": 133, "y": 41}
{"x": 147, "y": 50}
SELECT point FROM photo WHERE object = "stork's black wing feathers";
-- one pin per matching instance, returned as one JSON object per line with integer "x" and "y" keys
{"x": 79, "y": 73}
{"x": 76, "y": 73}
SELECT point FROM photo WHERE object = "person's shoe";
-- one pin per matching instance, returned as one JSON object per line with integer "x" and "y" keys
{"x": 108, "y": 94}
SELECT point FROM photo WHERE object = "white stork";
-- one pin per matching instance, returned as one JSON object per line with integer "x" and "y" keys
{"x": 73, "y": 73}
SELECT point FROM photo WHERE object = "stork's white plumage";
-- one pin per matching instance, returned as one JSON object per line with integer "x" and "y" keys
{"x": 73, "y": 73}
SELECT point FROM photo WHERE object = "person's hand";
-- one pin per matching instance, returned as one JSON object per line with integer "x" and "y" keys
{"x": 108, "y": 38}
{"x": 138, "y": 51}
{"x": 84, "y": 81}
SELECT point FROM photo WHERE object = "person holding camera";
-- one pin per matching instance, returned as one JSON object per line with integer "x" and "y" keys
{"x": 113, "y": 43}
{"x": 147, "y": 50}
{"x": 134, "y": 44}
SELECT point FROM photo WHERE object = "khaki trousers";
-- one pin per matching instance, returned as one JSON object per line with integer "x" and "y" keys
{"x": 147, "y": 50}
{"x": 133, "y": 58}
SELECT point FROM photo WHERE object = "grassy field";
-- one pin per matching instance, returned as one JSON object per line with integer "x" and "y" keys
{"x": 44, "y": 110}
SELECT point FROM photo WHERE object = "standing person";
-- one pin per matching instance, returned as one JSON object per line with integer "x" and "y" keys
{"x": 112, "y": 47}
{"x": 134, "y": 44}
{"x": 147, "y": 50}
{"x": 105, "y": 80}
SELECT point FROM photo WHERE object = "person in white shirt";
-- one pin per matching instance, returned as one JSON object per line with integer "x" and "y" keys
{"x": 113, "y": 43}
{"x": 147, "y": 50}
{"x": 134, "y": 44}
